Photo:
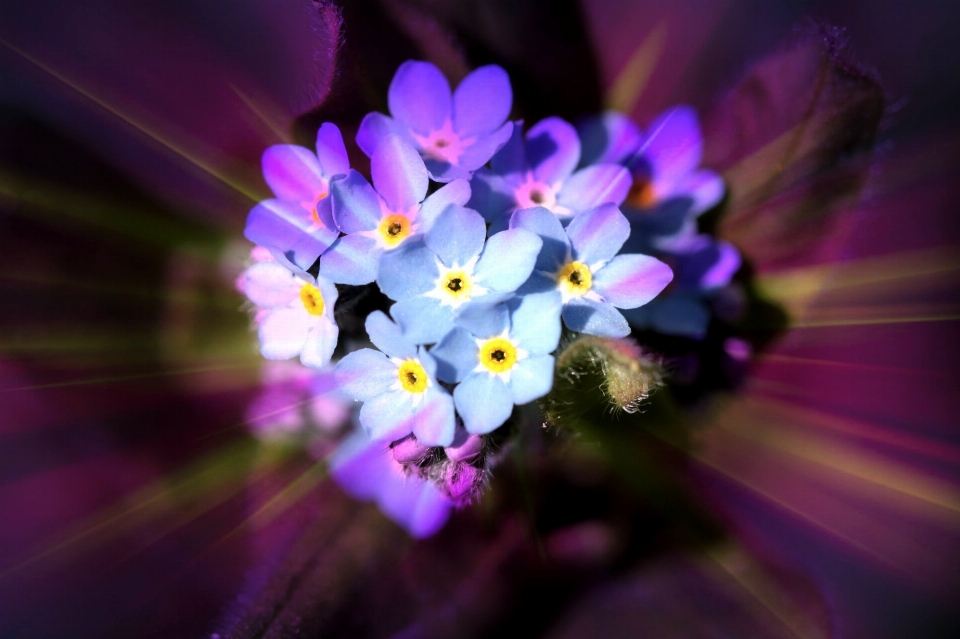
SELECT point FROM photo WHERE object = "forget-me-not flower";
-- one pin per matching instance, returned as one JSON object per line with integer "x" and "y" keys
{"x": 452, "y": 268}
{"x": 297, "y": 312}
{"x": 540, "y": 170}
{"x": 456, "y": 134}
{"x": 501, "y": 357}
{"x": 380, "y": 218}
{"x": 298, "y": 224}
{"x": 398, "y": 387}
{"x": 581, "y": 262}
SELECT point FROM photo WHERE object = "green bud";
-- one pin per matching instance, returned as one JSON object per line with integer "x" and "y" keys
{"x": 599, "y": 374}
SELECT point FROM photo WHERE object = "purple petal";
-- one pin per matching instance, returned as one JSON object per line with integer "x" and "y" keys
{"x": 364, "y": 373}
{"x": 704, "y": 187}
{"x": 290, "y": 229}
{"x": 374, "y": 128}
{"x": 419, "y": 97}
{"x": 512, "y": 157}
{"x": 457, "y": 236}
{"x": 293, "y": 173}
{"x": 595, "y": 318}
{"x": 673, "y": 144}
{"x": 418, "y": 506}
{"x": 545, "y": 224}
{"x": 356, "y": 205}
{"x": 598, "y": 234}
{"x": 360, "y": 466}
{"x": 629, "y": 281}
{"x": 595, "y": 185}
{"x": 482, "y": 101}
{"x": 353, "y": 259}
{"x": 484, "y": 402}
{"x": 399, "y": 174}
{"x": 331, "y": 151}
{"x": 479, "y": 153}
{"x": 608, "y": 138}
{"x": 553, "y": 150}
{"x": 444, "y": 172}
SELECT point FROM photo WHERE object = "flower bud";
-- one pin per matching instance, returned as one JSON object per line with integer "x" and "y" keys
{"x": 462, "y": 483}
{"x": 465, "y": 447}
{"x": 409, "y": 451}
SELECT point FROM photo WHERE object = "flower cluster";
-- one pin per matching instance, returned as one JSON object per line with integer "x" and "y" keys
{"x": 483, "y": 244}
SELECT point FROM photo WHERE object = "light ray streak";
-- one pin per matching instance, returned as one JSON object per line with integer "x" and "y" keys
{"x": 794, "y": 360}
{"x": 629, "y": 84}
{"x": 240, "y": 188}
{"x": 277, "y": 130}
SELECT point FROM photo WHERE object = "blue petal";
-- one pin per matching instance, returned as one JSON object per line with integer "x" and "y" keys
{"x": 647, "y": 227}
{"x": 479, "y": 153}
{"x": 425, "y": 320}
{"x": 456, "y": 192}
{"x": 387, "y": 416}
{"x": 356, "y": 205}
{"x": 456, "y": 356}
{"x": 374, "y": 128}
{"x": 388, "y": 336}
{"x": 364, "y": 374}
{"x": 407, "y": 271}
{"x": 484, "y": 402}
{"x": 433, "y": 420}
{"x": 285, "y": 226}
{"x": 595, "y": 318}
{"x": 611, "y": 137}
{"x": 704, "y": 187}
{"x": 535, "y": 322}
{"x": 482, "y": 101}
{"x": 682, "y": 315}
{"x": 629, "y": 281}
{"x": 553, "y": 150}
{"x": 331, "y": 151}
{"x": 484, "y": 320}
{"x": 456, "y": 236}
{"x": 441, "y": 171}
{"x": 399, "y": 174}
{"x": 292, "y": 172}
{"x": 507, "y": 260}
{"x": 598, "y": 234}
{"x": 353, "y": 259}
{"x": 595, "y": 185}
{"x": 491, "y": 195}
{"x": 419, "y": 97}
{"x": 545, "y": 224}
{"x": 511, "y": 159}
{"x": 531, "y": 378}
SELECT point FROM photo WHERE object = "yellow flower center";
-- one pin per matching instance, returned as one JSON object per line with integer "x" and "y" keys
{"x": 394, "y": 229}
{"x": 456, "y": 285}
{"x": 412, "y": 377}
{"x": 642, "y": 194}
{"x": 575, "y": 279}
{"x": 498, "y": 355}
{"x": 312, "y": 299}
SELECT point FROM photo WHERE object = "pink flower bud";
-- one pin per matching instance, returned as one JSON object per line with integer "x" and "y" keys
{"x": 409, "y": 451}
{"x": 465, "y": 447}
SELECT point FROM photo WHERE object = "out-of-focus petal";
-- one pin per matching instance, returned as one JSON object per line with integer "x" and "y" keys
{"x": 704, "y": 187}
{"x": 608, "y": 138}
{"x": 289, "y": 228}
{"x": 484, "y": 402}
{"x": 596, "y": 318}
{"x": 292, "y": 172}
{"x": 598, "y": 234}
{"x": 491, "y": 195}
{"x": 553, "y": 150}
{"x": 283, "y": 332}
{"x": 593, "y": 186}
{"x": 270, "y": 285}
{"x": 482, "y": 101}
{"x": 374, "y": 128}
{"x": 531, "y": 378}
{"x": 399, "y": 174}
{"x": 511, "y": 159}
{"x": 419, "y": 97}
{"x": 629, "y": 281}
{"x": 673, "y": 144}
{"x": 479, "y": 153}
